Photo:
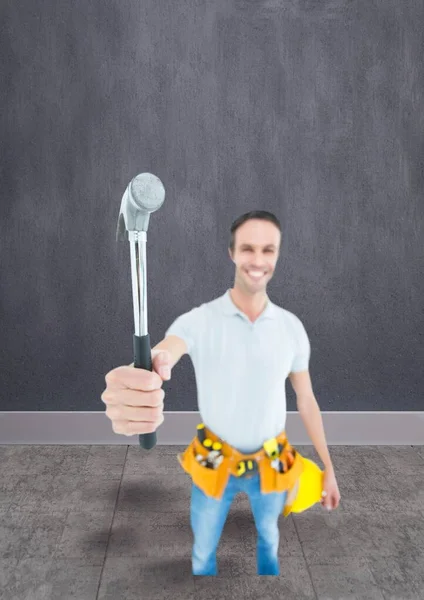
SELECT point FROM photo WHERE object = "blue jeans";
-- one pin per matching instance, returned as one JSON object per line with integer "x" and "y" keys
{"x": 208, "y": 516}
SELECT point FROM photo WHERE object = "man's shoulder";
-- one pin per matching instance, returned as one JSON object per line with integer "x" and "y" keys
{"x": 289, "y": 317}
{"x": 210, "y": 305}
{"x": 199, "y": 310}
{"x": 286, "y": 314}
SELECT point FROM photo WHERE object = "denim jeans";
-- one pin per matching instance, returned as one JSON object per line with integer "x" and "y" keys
{"x": 208, "y": 516}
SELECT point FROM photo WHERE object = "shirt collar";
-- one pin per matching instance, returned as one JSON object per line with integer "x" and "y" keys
{"x": 230, "y": 309}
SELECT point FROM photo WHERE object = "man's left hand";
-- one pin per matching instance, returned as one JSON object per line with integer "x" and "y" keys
{"x": 331, "y": 495}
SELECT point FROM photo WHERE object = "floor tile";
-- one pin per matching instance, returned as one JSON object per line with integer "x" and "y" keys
{"x": 161, "y": 578}
{"x": 150, "y": 535}
{"x": 345, "y": 579}
{"x": 398, "y": 575}
{"x": 85, "y": 536}
{"x": 151, "y": 493}
{"x": 38, "y": 579}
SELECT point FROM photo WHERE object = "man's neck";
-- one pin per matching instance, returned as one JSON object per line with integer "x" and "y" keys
{"x": 252, "y": 306}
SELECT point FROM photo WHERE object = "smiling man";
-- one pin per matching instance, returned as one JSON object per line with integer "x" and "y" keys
{"x": 243, "y": 347}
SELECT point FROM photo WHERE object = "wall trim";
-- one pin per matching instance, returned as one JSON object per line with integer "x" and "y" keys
{"x": 343, "y": 428}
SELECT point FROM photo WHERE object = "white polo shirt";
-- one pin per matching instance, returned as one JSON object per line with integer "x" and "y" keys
{"x": 241, "y": 367}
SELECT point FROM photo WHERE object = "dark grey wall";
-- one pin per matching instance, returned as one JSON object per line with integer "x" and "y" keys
{"x": 312, "y": 110}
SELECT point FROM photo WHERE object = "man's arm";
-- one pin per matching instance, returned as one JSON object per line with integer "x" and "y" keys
{"x": 175, "y": 346}
{"x": 310, "y": 413}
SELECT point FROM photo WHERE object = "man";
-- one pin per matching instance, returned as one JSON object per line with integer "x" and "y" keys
{"x": 243, "y": 348}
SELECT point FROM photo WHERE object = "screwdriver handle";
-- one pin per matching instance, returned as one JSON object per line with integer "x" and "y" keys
{"x": 143, "y": 360}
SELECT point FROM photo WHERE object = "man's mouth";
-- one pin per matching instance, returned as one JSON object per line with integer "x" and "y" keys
{"x": 255, "y": 275}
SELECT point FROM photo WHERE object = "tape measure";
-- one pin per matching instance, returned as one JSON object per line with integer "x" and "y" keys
{"x": 272, "y": 448}
{"x": 246, "y": 467}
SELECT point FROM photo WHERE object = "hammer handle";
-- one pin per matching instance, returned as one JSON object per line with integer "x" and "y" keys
{"x": 143, "y": 360}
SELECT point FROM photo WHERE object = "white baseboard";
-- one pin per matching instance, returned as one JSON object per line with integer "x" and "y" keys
{"x": 343, "y": 428}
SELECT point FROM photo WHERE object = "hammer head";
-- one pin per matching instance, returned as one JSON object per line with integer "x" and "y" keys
{"x": 144, "y": 194}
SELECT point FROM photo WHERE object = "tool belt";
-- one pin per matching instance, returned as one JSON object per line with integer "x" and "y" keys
{"x": 210, "y": 461}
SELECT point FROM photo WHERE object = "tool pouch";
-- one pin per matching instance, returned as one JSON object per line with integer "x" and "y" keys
{"x": 274, "y": 481}
{"x": 211, "y": 481}
{"x": 294, "y": 468}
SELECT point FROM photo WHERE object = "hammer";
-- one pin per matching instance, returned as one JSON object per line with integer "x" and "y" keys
{"x": 144, "y": 194}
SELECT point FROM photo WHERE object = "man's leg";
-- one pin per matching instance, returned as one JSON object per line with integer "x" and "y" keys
{"x": 208, "y": 516}
{"x": 266, "y": 509}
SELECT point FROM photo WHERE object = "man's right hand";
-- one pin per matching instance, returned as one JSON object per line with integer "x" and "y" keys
{"x": 134, "y": 397}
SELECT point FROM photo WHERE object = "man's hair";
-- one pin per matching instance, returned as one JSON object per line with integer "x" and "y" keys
{"x": 254, "y": 214}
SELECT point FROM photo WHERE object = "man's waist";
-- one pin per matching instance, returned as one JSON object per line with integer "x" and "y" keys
{"x": 207, "y": 438}
{"x": 240, "y": 440}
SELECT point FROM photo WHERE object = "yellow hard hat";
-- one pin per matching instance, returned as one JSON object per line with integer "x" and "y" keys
{"x": 308, "y": 489}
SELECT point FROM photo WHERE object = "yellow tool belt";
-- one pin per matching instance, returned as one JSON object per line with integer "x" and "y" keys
{"x": 213, "y": 481}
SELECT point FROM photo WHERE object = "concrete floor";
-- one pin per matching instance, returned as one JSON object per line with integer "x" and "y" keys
{"x": 112, "y": 523}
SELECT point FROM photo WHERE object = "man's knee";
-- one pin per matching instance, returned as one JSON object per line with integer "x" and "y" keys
{"x": 268, "y": 531}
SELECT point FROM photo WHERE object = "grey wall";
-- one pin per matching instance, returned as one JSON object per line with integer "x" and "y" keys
{"x": 312, "y": 110}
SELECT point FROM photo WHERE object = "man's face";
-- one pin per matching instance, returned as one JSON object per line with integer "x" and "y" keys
{"x": 257, "y": 247}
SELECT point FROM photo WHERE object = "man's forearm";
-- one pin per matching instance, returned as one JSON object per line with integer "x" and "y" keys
{"x": 311, "y": 417}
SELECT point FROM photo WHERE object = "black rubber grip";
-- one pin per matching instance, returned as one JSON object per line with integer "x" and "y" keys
{"x": 143, "y": 360}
